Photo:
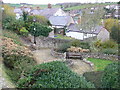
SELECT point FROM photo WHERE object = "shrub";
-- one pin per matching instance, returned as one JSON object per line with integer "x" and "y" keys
{"x": 110, "y": 51}
{"x": 103, "y": 46}
{"x": 76, "y": 43}
{"x": 53, "y": 75}
{"x": 111, "y": 76}
{"x": 11, "y": 23}
{"x": 109, "y": 44}
{"x": 85, "y": 45}
{"x": 63, "y": 48}
{"x": 23, "y": 31}
{"x": 41, "y": 30}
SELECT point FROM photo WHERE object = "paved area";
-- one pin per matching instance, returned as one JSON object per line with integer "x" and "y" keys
{"x": 79, "y": 66}
{"x": 43, "y": 56}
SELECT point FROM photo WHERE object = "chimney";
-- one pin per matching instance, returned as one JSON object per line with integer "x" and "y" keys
{"x": 31, "y": 8}
{"x": 38, "y": 8}
{"x": 79, "y": 19}
{"x": 49, "y": 5}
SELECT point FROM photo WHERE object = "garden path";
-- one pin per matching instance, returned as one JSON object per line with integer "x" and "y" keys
{"x": 79, "y": 66}
{"x": 44, "y": 55}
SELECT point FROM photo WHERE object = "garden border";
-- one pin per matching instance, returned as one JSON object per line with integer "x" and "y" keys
{"x": 87, "y": 55}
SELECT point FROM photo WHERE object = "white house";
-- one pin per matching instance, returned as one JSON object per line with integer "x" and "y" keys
{"x": 99, "y": 32}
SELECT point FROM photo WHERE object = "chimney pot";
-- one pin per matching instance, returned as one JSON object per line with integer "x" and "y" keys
{"x": 49, "y": 5}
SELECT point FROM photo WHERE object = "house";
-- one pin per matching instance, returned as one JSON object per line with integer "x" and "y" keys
{"x": 59, "y": 23}
{"x": 99, "y": 32}
{"x": 103, "y": 35}
{"x": 48, "y": 12}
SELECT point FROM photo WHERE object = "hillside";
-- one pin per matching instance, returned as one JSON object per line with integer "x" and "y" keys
{"x": 83, "y": 6}
{"x": 35, "y": 5}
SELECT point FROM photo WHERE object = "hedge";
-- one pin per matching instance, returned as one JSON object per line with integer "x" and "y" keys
{"x": 53, "y": 75}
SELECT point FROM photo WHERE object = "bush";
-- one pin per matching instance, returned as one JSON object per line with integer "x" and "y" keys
{"x": 111, "y": 76}
{"x": 63, "y": 48}
{"x": 110, "y": 51}
{"x": 85, "y": 45}
{"x": 17, "y": 66}
{"x": 103, "y": 46}
{"x": 53, "y": 75}
{"x": 11, "y": 23}
{"x": 41, "y": 30}
{"x": 109, "y": 44}
{"x": 76, "y": 43}
{"x": 23, "y": 31}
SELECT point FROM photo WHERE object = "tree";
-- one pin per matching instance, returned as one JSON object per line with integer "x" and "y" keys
{"x": 109, "y": 23}
{"x": 115, "y": 32}
{"x": 36, "y": 29}
{"x": 25, "y": 16}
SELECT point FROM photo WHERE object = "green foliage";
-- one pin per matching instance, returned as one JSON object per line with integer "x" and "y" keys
{"x": 25, "y": 16}
{"x": 40, "y": 30}
{"x": 110, "y": 51}
{"x": 94, "y": 77}
{"x": 23, "y": 31}
{"x": 17, "y": 66}
{"x": 53, "y": 75}
{"x": 115, "y": 32}
{"x": 109, "y": 44}
{"x": 109, "y": 23}
{"x": 103, "y": 46}
{"x": 111, "y": 76}
{"x": 11, "y": 23}
{"x": 63, "y": 48}
{"x": 76, "y": 43}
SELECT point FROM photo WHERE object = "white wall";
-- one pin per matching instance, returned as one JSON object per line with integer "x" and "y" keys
{"x": 78, "y": 35}
{"x": 103, "y": 35}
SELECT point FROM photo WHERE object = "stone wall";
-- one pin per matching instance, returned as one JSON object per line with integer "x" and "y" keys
{"x": 48, "y": 42}
{"x": 88, "y": 55}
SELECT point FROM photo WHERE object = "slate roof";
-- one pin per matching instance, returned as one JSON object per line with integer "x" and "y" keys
{"x": 48, "y": 12}
{"x": 18, "y": 10}
{"x": 73, "y": 27}
{"x": 35, "y": 12}
{"x": 59, "y": 20}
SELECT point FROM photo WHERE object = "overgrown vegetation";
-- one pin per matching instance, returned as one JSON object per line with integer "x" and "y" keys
{"x": 25, "y": 25}
{"x": 15, "y": 37}
{"x": 76, "y": 43}
{"x": 107, "y": 47}
{"x": 17, "y": 58}
{"x": 53, "y": 75}
{"x": 17, "y": 66}
{"x": 111, "y": 76}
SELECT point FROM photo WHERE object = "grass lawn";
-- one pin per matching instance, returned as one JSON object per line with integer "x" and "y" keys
{"x": 59, "y": 36}
{"x": 100, "y": 64}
